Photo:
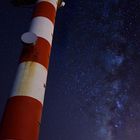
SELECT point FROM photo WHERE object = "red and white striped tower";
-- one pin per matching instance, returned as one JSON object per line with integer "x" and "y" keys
{"x": 22, "y": 116}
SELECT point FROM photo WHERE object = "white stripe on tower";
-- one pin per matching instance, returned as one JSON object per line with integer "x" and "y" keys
{"x": 31, "y": 81}
{"x": 23, "y": 111}
{"x": 38, "y": 27}
{"x": 53, "y": 2}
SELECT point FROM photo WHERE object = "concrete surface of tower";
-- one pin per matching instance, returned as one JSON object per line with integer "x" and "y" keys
{"x": 22, "y": 115}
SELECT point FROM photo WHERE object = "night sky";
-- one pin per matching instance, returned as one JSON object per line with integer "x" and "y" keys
{"x": 94, "y": 74}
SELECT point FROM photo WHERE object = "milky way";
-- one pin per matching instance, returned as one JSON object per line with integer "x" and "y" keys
{"x": 102, "y": 54}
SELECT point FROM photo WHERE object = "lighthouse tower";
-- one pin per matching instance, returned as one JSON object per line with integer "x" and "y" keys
{"x": 22, "y": 116}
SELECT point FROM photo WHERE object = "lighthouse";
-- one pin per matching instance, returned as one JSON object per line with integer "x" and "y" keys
{"x": 22, "y": 115}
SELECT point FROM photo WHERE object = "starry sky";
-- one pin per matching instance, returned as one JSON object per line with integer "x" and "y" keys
{"x": 94, "y": 73}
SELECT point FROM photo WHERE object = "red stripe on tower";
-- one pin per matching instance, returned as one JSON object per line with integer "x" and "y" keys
{"x": 40, "y": 52}
{"x": 21, "y": 119}
{"x": 22, "y": 116}
{"x": 40, "y": 10}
